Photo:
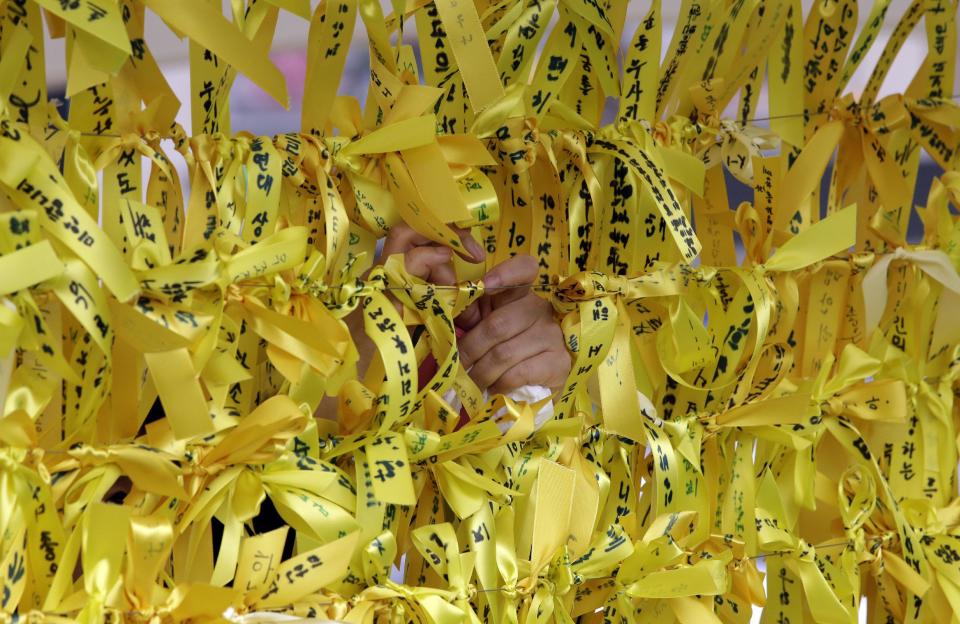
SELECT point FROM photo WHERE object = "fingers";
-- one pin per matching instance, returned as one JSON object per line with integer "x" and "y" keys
{"x": 506, "y": 281}
{"x": 430, "y": 266}
{"x": 516, "y": 271}
{"x": 470, "y": 317}
{"x": 549, "y": 369}
{"x": 432, "y": 262}
{"x": 477, "y": 253}
{"x": 443, "y": 274}
{"x": 500, "y": 326}
{"x": 402, "y": 238}
{"x": 504, "y": 356}
{"x": 423, "y": 261}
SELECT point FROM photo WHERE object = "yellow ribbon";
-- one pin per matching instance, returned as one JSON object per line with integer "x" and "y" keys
{"x": 933, "y": 262}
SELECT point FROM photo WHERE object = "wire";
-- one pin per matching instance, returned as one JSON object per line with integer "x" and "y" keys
{"x": 955, "y": 96}
{"x": 538, "y": 287}
{"x": 506, "y": 589}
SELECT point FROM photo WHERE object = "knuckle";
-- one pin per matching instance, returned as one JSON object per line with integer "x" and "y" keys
{"x": 397, "y": 237}
{"x": 503, "y": 352}
{"x": 412, "y": 259}
{"x": 400, "y": 229}
{"x": 498, "y": 327}
{"x": 423, "y": 258}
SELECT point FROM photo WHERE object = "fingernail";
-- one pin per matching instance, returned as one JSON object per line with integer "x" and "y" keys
{"x": 491, "y": 281}
{"x": 474, "y": 248}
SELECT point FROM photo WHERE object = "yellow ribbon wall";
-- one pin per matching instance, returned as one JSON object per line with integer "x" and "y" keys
{"x": 795, "y": 408}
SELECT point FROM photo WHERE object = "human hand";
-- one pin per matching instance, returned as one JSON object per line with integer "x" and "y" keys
{"x": 422, "y": 258}
{"x": 425, "y": 258}
{"x": 513, "y": 339}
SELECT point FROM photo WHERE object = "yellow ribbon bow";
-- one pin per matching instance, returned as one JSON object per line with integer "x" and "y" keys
{"x": 933, "y": 262}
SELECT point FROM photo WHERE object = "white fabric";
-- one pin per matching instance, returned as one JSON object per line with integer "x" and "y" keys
{"x": 530, "y": 394}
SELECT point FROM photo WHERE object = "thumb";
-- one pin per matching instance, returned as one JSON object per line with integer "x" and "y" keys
{"x": 510, "y": 280}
